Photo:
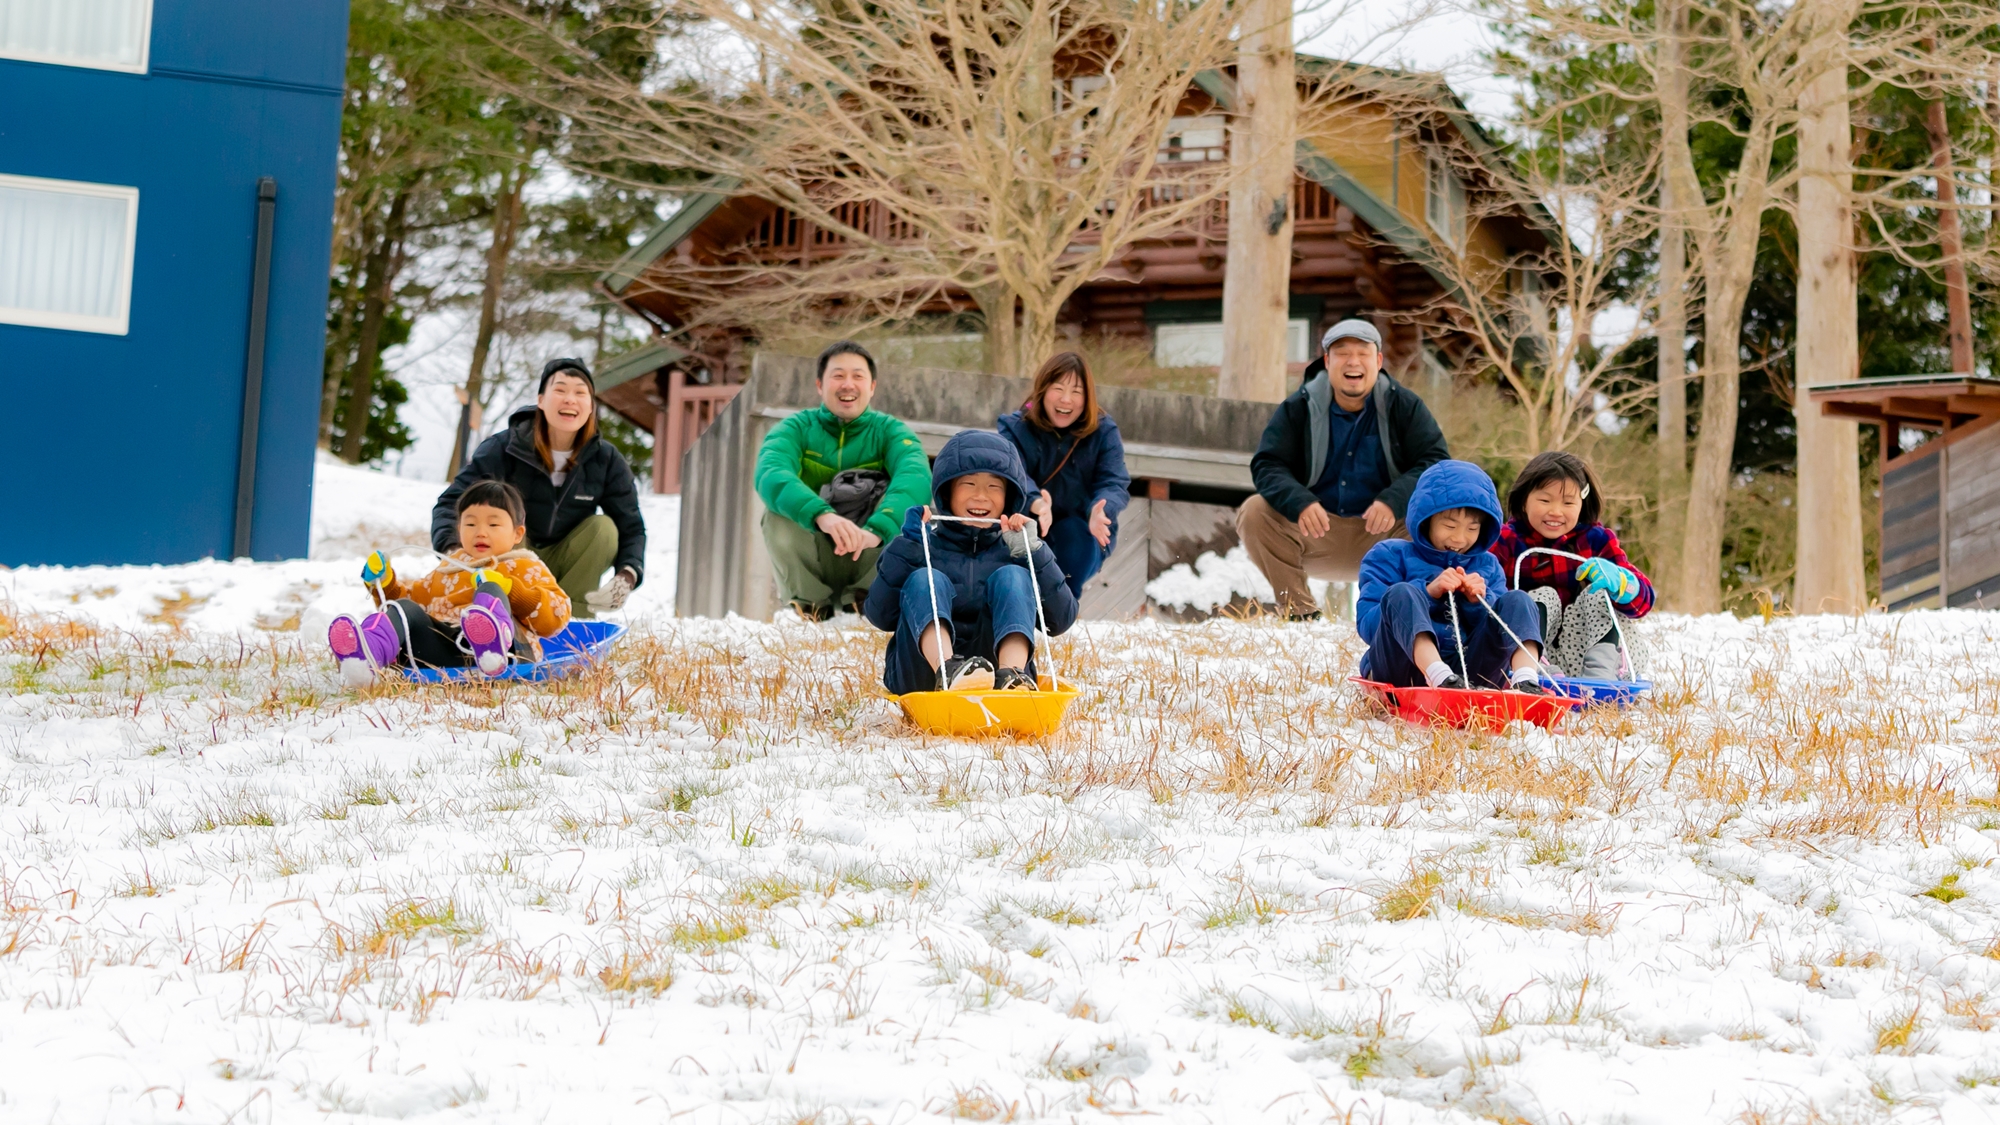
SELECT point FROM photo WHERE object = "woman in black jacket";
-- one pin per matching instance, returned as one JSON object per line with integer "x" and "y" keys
{"x": 583, "y": 506}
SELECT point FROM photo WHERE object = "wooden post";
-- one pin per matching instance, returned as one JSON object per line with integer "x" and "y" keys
{"x": 1257, "y": 278}
{"x": 1831, "y": 575}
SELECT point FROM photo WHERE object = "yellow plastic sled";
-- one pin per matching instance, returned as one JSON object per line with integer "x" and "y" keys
{"x": 1031, "y": 714}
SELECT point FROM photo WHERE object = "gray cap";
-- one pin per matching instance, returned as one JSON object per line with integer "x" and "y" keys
{"x": 1350, "y": 329}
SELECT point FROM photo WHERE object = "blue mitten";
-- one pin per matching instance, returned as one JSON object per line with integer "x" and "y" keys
{"x": 1621, "y": 584}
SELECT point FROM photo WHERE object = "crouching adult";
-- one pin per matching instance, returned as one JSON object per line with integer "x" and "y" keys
{"x": 1335, "y": 469}
{"x": 835, "y": 481}
{"x": 582, "y": 503}
{"x": 1070, "y": 446}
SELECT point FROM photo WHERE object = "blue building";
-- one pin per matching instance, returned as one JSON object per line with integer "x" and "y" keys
{"x": 144, "y": 145}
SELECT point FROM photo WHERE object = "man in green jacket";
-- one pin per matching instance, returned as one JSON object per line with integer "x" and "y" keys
{"x": 835, "y": 480}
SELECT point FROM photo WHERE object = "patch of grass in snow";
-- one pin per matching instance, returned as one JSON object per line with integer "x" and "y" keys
{"x": 1414, "y": 897}
{"x": 681, "y": 798}
{"x": 1553, "y": 850}
{"x": 649, "y": 971}
{"x": 1947, "y": 890}
{"x": 707, "y": 933}
{"x": 1250, "y": 906}
{"x": 1978, "y": 1076}
{"x": 1901, "y": 1032}
{"x": 1970, "y": 1009}
{"x": 1062, "y": 914}
{"x": 765, "y": 891}
{"x": 975, "y": 1104}
{"x": 412, "y": 919}
{"x": 141, "y": 885}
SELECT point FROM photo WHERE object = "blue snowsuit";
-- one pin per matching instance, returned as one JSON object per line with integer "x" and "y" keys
{"x": 1394, "y": 608}
{"x": 1077, "y": 472}
{"x": 984, "y": 593}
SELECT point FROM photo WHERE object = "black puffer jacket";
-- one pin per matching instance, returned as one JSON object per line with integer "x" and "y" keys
{"x": 598, "y": 479}
{"x": 1289, "y": 460}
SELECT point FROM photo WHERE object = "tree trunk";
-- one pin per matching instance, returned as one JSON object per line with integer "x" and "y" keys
{"x": 335, "y": 375}
{"x": 1257, "y": 282}
{"x": 1037, "y": 339}
{"x": 375, "y": 307}
{"x": 506, "y": 227}
{"x": 1831, "y": 574}
{"x": 1951, "y": 241}
{"x": 1003, "y": 353}
{"x": 1671, "y": 333}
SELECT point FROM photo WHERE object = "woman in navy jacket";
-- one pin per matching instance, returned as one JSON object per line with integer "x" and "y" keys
{"x": 1070, "y": 447}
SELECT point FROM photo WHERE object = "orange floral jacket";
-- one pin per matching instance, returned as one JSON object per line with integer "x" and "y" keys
{"x": 536, "y": 601}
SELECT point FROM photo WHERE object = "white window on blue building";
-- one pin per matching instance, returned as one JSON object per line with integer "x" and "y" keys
{"x": 66, "y": 253}
{"x": 103, "y": 34}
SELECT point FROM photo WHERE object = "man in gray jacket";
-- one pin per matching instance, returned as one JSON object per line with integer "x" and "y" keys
{"x": 1335, "y": 468}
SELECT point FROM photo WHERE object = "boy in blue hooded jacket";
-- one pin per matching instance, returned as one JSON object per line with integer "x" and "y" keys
{"x": 971, "y": 606}
{"x": 1409, "y": 588}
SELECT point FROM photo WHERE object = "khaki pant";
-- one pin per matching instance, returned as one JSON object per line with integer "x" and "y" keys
{"x": 1288, "y": 558}
{"x": 808, "y": 571}
{"x": 579, "y": 560}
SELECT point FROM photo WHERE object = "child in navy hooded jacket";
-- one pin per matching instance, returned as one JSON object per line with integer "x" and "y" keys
{"x": 977, "y": 583}
{"x": 1409, "y": 588}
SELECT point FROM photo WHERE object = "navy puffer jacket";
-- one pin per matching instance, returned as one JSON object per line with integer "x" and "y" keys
{"x": 1095, "y": 470}
{"x": 966, "y": 553}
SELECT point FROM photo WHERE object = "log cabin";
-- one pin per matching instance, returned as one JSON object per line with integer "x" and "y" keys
{"x": 1379, "y": 178}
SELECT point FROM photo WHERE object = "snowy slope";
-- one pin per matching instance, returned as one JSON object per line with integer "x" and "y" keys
{"x": 721, "y": 882}
{"x": 354, "y": 510}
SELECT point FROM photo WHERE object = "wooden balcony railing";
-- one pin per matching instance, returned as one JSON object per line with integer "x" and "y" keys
{"x": 784, "y": 236}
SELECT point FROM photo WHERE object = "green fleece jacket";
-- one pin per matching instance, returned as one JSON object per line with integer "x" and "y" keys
{"x": 805, "y": 451}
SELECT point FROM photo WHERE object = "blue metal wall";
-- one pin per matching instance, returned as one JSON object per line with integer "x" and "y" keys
{"x": 123, "y": 449}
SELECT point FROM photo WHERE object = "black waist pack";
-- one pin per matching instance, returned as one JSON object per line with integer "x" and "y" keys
{"x": 854, "y": 493}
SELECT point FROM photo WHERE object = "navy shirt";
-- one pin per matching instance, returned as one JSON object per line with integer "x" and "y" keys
{"x": 1355, "y": 472}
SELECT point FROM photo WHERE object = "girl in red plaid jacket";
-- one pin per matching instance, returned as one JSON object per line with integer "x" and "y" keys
{"x": 1554, "y": 504}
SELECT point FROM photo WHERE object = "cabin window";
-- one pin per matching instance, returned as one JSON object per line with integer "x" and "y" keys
{"x": 66, "y": 254}
{"x": 1200, "y": 345}
{"x": 1195, "y": 138}
{"x": 102, "y": 34}
{"x": 1444, "y": 202}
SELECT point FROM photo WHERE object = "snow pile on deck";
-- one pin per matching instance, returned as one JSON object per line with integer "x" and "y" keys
{"x": 720, "y": 881}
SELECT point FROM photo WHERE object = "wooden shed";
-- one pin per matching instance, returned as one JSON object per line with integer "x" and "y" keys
{"x": 1940, "y": 484}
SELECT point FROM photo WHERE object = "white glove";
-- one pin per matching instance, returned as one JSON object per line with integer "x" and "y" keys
{"x": 612, "y": 594}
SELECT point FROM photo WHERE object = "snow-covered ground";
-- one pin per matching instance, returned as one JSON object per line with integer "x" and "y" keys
{"x": 721, "y": 882}
{"x": 354, "y": 511}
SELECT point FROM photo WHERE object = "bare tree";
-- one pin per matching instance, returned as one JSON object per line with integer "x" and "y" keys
{"x": 1011, "y": 150}
{"x": 1534, "y": 265}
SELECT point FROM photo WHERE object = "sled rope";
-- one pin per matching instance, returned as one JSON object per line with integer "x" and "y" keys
{"x": 1034, "y": 583}
{"x": 1451, "y": 602}
{"x": 930, "y": 581}
{"x": 1625, "y": 671}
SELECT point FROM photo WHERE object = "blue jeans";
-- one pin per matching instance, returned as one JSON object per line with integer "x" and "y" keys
{"x": 1406, "y": 615}
{"x": 1077, "y": 551}
{"x": 976, "y": 628}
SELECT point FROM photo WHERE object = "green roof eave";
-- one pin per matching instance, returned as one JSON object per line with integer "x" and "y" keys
{"x": 665, "y": 237}
{"x": 642, "y": 360}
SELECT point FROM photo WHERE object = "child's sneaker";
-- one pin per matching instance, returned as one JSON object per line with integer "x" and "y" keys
{"x": 967, "y": 673}
{"x": 1453, "y": 682}
{"x": 360, "y": 648}
{"x": 1014, "y": 679}
{"x": 1529, "y": 684}
{"x": 489, "y": 632}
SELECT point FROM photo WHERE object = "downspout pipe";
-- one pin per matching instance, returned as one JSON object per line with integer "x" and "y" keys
{"x": 253, "y": 366}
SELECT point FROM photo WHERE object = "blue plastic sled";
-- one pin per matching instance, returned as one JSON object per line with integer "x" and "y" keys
{"x": 1618, "y": 693}
{"x": 579, "y": 645}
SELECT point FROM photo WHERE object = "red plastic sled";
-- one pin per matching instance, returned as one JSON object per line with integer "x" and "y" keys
{"x": 1483, "y": 709}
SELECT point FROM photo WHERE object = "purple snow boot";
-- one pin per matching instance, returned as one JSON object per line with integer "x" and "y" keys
{"x": 489, "y": 631}
{"x": 360, "y": 648}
